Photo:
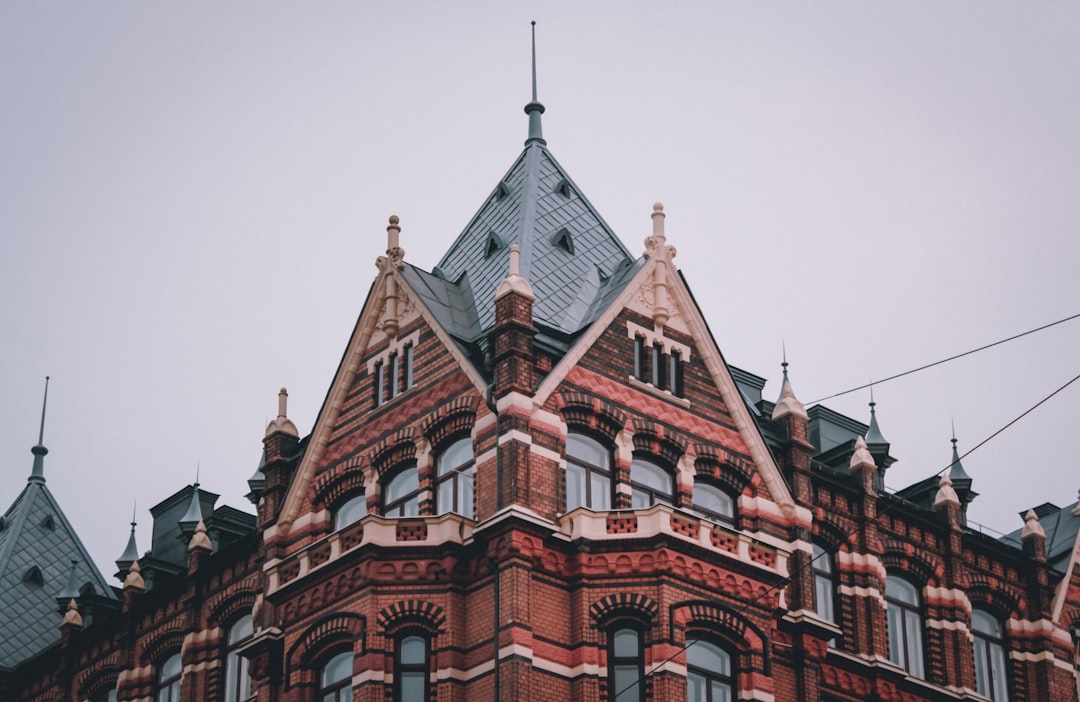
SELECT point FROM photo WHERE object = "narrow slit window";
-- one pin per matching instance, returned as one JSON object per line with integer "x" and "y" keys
{"x": 675, "y": 373}
{"x": 639, "y": 358}
{"x": 380, "y": 373}
{"x": 657, "y": 366}
{"x": 408, "y": 366}
{"x": 395, "y": 375}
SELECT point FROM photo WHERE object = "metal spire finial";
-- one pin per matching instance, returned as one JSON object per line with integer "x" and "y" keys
{"x": 783, "y": 350}
{"x": 534, "y": 109}
{"x": 37, "y": 473}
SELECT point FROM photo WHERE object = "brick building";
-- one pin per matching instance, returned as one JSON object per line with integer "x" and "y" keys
{"x": 535, "y": 477}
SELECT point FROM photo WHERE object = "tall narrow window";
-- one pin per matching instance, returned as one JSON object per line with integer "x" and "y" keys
{"x": 625, "y": 666}
{"x": 455, "y": 471}
{"x": 168, "y": 688}
{"x": 905, "y": 625}
{"x": 708, "y": 672}
{"x": 588, "y": 473}
{"x": 352, "y": 511}
{"x": 640, "y": 359}
{"x": 990, "y": 680}
{"x": 713, "y": 503}
{"x": 237, "y": 676}
{"x": 395, "y": 375}
{"x": 675, "y": 373}
{"x": 401, "y": 497}
{"x": 408, "y": 366}
{"x": 650, "y": 484}
{"x": 380, "y": 383}
{"x": 823, "y": 584}
{"x": 657, "y": 366}
{"x": 335, "y": 682}
{"x": 411, "y": 669}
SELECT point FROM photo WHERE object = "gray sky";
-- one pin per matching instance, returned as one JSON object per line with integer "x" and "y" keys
{"x": 192, "y": 197}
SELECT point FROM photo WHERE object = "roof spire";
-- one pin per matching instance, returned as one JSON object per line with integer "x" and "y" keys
{"x": 787, "y": 403}
{"x": 873, "y": 434}
{"x": 131, "y": 552}
{"x": 534, "y": 109}
{"x": 37, "y": 473}
{"x": 194, "y": 511}
{"x": 956, "y": 469}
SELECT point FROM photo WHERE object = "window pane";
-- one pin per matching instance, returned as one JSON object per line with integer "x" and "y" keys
{"x": 627, "y": 683}
{"x": 412, "y": 686}
{"x": 403, "y": 483}
{"x": 823, "y": 591}
{"x": 626, "y": 643}
{"x": 702, "y": 654}
{"x": 411, "y": 508}
{"x": 998, "y": 674}
{"x": 822, "y": 561}
{"x": 466, "y": 506}
{"x": 982, "y": 675}
{"x": 650, "y": 475}
{"x": 601, "y": 492}
{"x": 713, "y": 499}
{"x": 914, "y": 643}
{"x": 984, "y": 622}
{"x": 446, "y": 496}
{"x": 339, "y": 668}
{"x": 901, "y": 590}
{"x": 896, "y": 640}
{"x": 575, "y": 486}
{"x": 170, "y": 668}
{"x": 587, "y": 450}
{"x": 350, "y": 512}
{"x": 639, "y": 499}
{"x": 721, "y": 692}
{"x": 413, "y": 650}
{"x": 695, "y": 688}
{"x": 408, "y": 366}
{"x": 458, "y": 454}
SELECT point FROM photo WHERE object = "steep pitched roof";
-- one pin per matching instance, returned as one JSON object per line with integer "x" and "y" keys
{"x": 569, "y": 255}
{"x": 37, "y": 547}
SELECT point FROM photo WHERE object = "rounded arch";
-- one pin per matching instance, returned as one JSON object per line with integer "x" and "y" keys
{"x": 326, "y": 634}
{"x": 102, "y": 676}
{"x": 331, "y": 489}
{"x": 899, "y": 558}
{"x": 591, "y": 415}
{"x": 228, "y": 607}
{"x": 653, "y": 441}
{"x": 732, "y": 477}
{"x": 393, "y": 451}
{"x": 992, "y": 595}
{"x": 416, "y": 614}
{"x": 710, "y": 619}
{"x": 162, "y": 646}
{"x": 624, "y": 604}
{"x": 450, "y": 421}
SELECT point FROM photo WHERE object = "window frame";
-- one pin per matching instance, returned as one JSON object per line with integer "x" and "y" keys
{"x": 821, "y": 564}
{"x": 995, "y": 688}
{"x": 909, "y": 655}
{"x": 340, "y": 688}
{"x": 380, "y": 382}
{"x": 639, "y": 488}
{"x": 357, "y": 502}
{"x": 402, "y": 503}
{"x": 710, "y": 514}
{"x": 401, "y": 667}
{"x": 237, "y": 671}
{"x": 168, "y": 689}
{"x": 616, "y": 691}
{"x": 591, "y": 475}
{"x": 709, "y": 677}
{"x": 456, "y": 476}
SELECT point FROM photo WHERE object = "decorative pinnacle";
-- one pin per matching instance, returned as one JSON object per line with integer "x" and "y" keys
{"x": 783, "y": 351}
{"x": 658, "y": 217}
{"x": 514, "y": 282}
{"x": 1032, "y": 528}
{"x": 392, "y": 233}
{"x": 534, "y": 109}
{"x": 37, "y": 473}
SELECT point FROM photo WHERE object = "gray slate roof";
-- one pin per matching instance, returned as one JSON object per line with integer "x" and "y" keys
{"x": 1061, "y": 527}
{"x": 29, "y": 619}
{"x": 569, "y": 255}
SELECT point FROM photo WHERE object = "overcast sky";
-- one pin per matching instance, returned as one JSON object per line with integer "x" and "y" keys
{"x": 193, "y": 195}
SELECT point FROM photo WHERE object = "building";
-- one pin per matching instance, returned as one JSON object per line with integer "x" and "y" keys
{"x": 535, "y": 477}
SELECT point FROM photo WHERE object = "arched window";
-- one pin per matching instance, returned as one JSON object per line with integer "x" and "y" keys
{"x": 411, "y": 668}
{"x": 588, "y": 473}
{"x": 713, "y": 503}
{"x": 168, "y": 688}
{"x": 824, "y": 592}
{"x": 335, "y": 682}
{"x": 626, "y": 669}
{"x": 990, "y": 680}
{"x": 237, "y": 677}
{"x": 351, "y": 512}
{"x": 708, "y": 672}
{"x": 455, "y": 471}
{"x": 401, "y": 498}
{"x": 905, "y": 625}
{"x": 650, "y": 484}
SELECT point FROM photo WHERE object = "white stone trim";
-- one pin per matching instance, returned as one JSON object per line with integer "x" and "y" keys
{"x": 860, "y": 591}
{"x": 656, "y": 336}
{"x": 397, "y": 345}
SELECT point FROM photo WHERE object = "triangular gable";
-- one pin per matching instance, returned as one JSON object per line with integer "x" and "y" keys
{"x": 686, "y": 317}
{"x": 368, "y": 332}
{"x": 37, "y": 539}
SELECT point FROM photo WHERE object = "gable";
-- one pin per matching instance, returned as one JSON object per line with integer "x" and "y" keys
{"x": 394, "y": 321}
{"x": 711, "y": 408}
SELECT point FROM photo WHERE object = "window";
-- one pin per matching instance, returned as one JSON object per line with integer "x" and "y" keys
{"x": 708, "y": 672}
{"x": 411, "y": 668}
{"x": 990, "y": 680}
{"x": 650, "y": 484}
{"x": 663, "y": 371}
{"x": 639, "y": 359}
{"x": 823, "y": 584}
{"x": 713, "y": 503}
{"x": 168, "y": 689}
{"x": 657, "y": 375}
{"x": 455, "y": 471}
{"x": 106, "y": 695}
{"x": 625, "y": 666}
{"x": 402, "y": 497}
{"x": 351, "y": 512}
{"x": 237, "y": 677}
{"x": 408, "y": 353}
{"x": 380, "y": 381}
{"x": 905, "y": 625}
{"x": 335, "y": 683}
{"x": 395, "y": 375}
{"x": 588, "y": 473}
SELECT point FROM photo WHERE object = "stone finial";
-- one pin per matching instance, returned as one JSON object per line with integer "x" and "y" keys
{"x": 282, "y": 423}
{"x": 1032, "y": 527}
{"x": 656, "y": 243}
{"x": 788, "y": 404}
{"x": 514, "y": 282}
{"x": 71, "y": 616}
{"x": 134, "y": 580}
{"x": 199, "y": 540}
{"x": 394, "y": 252}
{"x": 946, "y": 495}
{"x": 861, "y": 458}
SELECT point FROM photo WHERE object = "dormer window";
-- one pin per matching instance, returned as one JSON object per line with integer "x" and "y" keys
{"x": 48, "y": 522}
{"x": 563, "y": 240}
{"x": 652, "y": 365}
{"x": 33, "y": 577}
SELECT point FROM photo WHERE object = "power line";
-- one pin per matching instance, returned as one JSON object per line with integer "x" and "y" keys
{"x": 945, "y": 360}
{"x": 787, "y": 581}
